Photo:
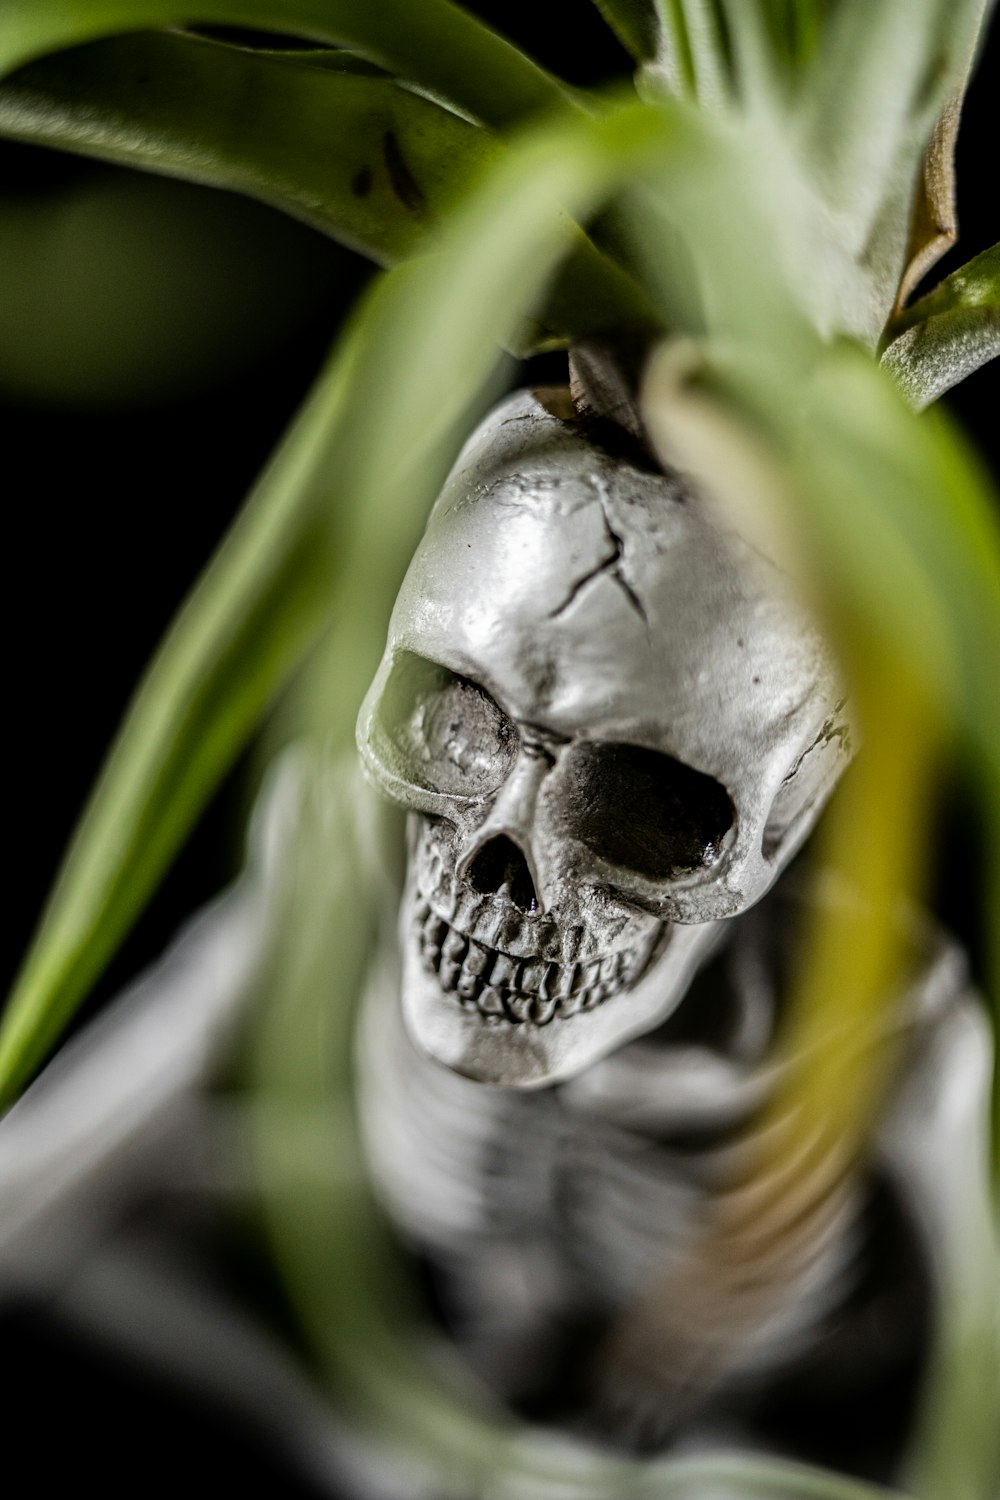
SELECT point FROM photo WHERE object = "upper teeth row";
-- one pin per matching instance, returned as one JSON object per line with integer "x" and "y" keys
{"x": 514, "y": 989}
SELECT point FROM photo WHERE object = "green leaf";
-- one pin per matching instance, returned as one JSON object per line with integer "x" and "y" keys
{"x": 930, "y": 358}
{"x": 794, "y": 27}
{"x": 883, "y": 78}
{"x": 974, "y": 285}
{"x": 342, "y": 147}
{"x": 948, "y": 334}
{"x": 903, "y": 518}
{"x": 691, "y": 60}
{"x": 367, "y": 434}
{"x": 635, "y": 24}
{"x": 356, "y": 156}
{"x": 889, "y": 518}
{"x": 246, "y": 625}
{"x": 436, "y": 44}
{"x": 439, "y": 325}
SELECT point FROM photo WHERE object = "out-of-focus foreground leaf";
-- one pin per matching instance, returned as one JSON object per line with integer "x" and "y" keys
{"x": 269, "y": 591}
{"x": 897, "y": 521}
{"x": 883, "y": 79}
{"x": 635, "y": 23}
{"x": 901, "y": 519}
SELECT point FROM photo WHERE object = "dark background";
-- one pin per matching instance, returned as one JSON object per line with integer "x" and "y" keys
{"x": 155, "y": 339}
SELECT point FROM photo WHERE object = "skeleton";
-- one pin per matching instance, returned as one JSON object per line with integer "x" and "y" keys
{"x": 574, "y": 628}
{"x": 613, "y": 725}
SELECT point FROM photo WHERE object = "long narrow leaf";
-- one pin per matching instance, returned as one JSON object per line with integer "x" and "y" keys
{"x": 710, "y": 61}
{"x": 903, "y": 517}
{"x": 635, "y": 23}
{"x": 439, "y": 325}
{"x": 794, "y": 27}
{"x": 435, "y": 44}
{"x": 884, "y": 75}
{"x": 948, "y": 334}
{"x": 356, "y": 156}
{"x": 343, "y": 148}
{"x": 266, "y": 596}
{"x": 261, "y": 603}
{"x": 443, "y": 320}
{"x": 929, "y": 358}
{"x": 902, "y": 530}
{"x": 976, "y": 284}
{"x": 691, "y": 59}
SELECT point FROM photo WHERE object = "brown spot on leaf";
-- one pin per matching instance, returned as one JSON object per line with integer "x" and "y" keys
{"x": 361, "y": 182}
{"x": 402, "y": 180}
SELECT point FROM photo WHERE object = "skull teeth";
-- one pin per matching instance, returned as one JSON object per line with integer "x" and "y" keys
{"x": 517, "y": 990}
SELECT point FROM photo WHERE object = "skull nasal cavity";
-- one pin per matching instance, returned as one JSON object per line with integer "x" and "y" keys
{"x": 500, "y": 864}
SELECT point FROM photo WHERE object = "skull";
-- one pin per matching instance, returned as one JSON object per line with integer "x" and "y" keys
{"x": 612, "y": 722}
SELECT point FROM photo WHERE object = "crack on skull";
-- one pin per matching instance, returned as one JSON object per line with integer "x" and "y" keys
{"x": 832, "y": 729}
{"x": 617, "y": 569}
{"x": 610, "y": 566}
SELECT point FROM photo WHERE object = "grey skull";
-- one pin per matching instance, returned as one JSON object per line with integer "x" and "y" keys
{"x": 613, "y": 724}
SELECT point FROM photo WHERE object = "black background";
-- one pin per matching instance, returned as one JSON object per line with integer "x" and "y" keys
{"x": 113, "y": 506}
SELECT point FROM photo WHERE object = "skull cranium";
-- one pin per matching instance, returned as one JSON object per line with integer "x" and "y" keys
{"x": 613, "y": 722}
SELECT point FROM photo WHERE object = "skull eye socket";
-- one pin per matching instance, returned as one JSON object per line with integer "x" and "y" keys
{"x": 441, "y": 732}
{"x": 645, "y": 811}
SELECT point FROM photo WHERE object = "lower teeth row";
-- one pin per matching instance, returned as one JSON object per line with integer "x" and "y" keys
{"x": 511, "y": 989}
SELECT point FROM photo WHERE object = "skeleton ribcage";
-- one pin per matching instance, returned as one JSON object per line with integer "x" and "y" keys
{"x": 544, "y": 1208}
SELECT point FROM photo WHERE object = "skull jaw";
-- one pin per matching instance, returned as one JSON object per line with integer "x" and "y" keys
{"x": 501, "y": 1053}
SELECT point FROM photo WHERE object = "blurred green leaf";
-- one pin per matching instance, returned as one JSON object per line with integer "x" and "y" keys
{"x": 900, "y": 512}
{"x": 794, "y": 27}
{"x": 890, "y": 519}
{"x": 908, "y": 494}
{"x": 732, "y": 244}
{"x": 635, "y": 24}
{"x": 366, "y": 433}
{"x": 436, "y": 44}
{"x": 956, "y": 1452}
{"x": 691, "y": 60}
{"x": 881, "y": 79}
{"x": 844, "y": 430}
{"x": 493, "y": 274}
{"x": 121, "y": 289}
